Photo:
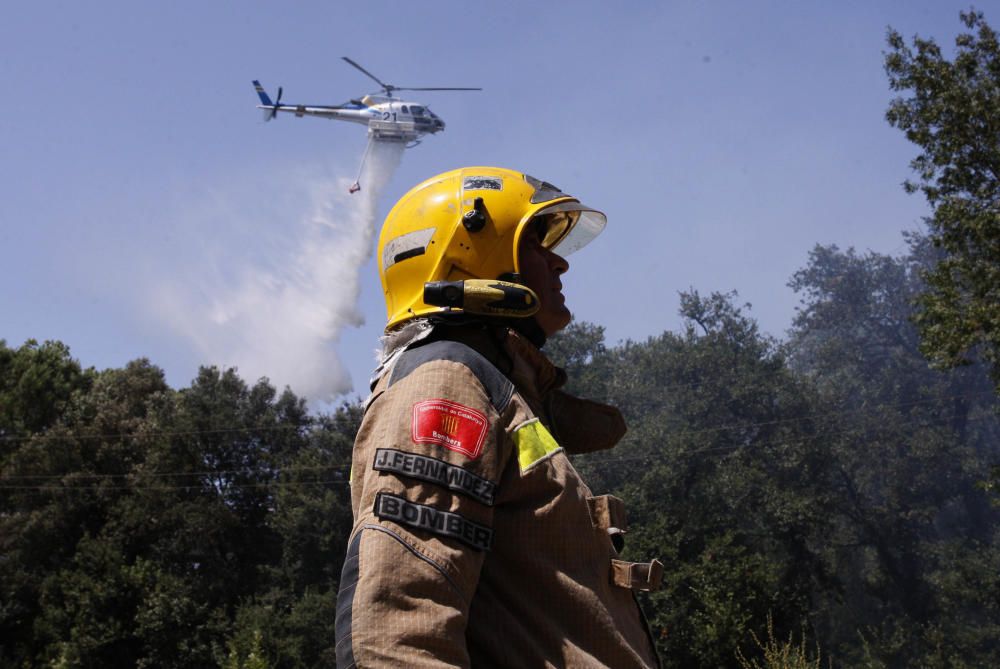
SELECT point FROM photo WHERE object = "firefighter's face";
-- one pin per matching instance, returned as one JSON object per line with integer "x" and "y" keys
{"x": 540, "y": 271}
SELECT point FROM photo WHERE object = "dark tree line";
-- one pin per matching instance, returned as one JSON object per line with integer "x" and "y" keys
{"x": 832, "y": 483}
{"x": 143, "y": 526}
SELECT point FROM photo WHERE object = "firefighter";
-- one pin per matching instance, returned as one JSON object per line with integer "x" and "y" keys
{"x": 475, "y": 541}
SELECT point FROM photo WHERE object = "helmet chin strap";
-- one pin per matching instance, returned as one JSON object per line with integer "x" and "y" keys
{"x": 530, "y": 329}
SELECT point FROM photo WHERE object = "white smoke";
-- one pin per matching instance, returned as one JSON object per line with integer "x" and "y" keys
{"x": 282, "y": 316}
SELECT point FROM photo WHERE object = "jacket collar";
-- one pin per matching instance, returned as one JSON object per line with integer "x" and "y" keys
{"x": 532, "y": 371}
{"x": 509, "y": 350}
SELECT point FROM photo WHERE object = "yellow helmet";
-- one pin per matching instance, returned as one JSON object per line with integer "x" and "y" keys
{"x": 466, "y": 224}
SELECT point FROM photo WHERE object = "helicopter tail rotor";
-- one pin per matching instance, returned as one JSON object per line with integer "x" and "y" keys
{"x": 277, "y": 103}
{"x": 270, "y": 108}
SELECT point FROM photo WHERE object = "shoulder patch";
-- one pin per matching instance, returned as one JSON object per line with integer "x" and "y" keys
{"x": 456, "y": 427}
{"x": 443, "y": 523}
{"x": 498, "y": 387}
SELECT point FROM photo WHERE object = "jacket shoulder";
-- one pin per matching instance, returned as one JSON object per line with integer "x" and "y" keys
{"x": 498, "y": 387}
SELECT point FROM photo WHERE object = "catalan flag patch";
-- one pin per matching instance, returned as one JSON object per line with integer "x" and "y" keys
{"x": 456, "y": 427}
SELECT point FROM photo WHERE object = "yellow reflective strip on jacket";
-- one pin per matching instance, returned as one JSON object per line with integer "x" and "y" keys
{"x": 533, "y": 443}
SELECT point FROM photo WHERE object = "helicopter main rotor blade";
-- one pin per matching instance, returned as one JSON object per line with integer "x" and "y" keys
{"x": 406, "y": 88}
{"x": 372, "y": 76}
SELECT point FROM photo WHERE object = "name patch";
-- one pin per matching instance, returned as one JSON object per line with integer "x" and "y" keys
{"x": 437, "y": 471}
{"x": 443, "y": 523}
{"x": 449, "y": 424}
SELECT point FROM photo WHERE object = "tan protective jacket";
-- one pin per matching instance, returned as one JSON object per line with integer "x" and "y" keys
{"x": 475, "y": 541}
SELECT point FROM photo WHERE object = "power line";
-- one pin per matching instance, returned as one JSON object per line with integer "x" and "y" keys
{"x": 153, "y": 433}
{"x": 680, "y": 434}
{"x": 587, "y": 463}
{"x": 846, "y": 412}
{"x": 172, "y": 488}
{"x": 753, "y": 445}
{"x": 211, "y": 472}
{"x": 235, "y": 430}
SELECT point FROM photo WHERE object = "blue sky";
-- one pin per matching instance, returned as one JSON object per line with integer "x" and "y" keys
{"x": 139, "y": 184}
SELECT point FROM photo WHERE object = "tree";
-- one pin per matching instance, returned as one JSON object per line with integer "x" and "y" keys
{"x": 951, "y": 110}
{"x": 579, "y": 349}
{"x": 722, "y": 480}
{"x": 296, "y": 606}
{"x": 137, "y": 522}
{"x": 830, "y": 481}
{"x": 36, "y": 383}
{"x": 913, "y": 536}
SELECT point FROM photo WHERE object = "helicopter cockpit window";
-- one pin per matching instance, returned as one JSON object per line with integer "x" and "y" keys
{"x": 417, "y": 111}
{"x": 406, "y": 110}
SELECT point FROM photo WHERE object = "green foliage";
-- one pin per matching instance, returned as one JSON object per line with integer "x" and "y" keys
{"x": 720, "y": 478}
{"x": 780, "y": 654}
{"x": 36, "y": 384}
{"x": 253, "y": 658}
{"x": 831, "y": 481}
{"x": 951, "y": 110}
{"x": 134, "y": 519}
{"x": 992, "y": 485}
{"x": 832, "y": 486}
{"x": 908, "y": 445}
{"x": 580, "y": 350}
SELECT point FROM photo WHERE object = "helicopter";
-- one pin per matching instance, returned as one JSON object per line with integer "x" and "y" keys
{"x": 389, "y": 118}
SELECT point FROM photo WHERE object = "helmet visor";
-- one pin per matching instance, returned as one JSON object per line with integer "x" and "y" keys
{"x": 570, "y": 226}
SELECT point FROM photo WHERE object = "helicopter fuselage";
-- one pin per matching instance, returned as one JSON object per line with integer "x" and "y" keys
{"x": 388, "y": 119}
